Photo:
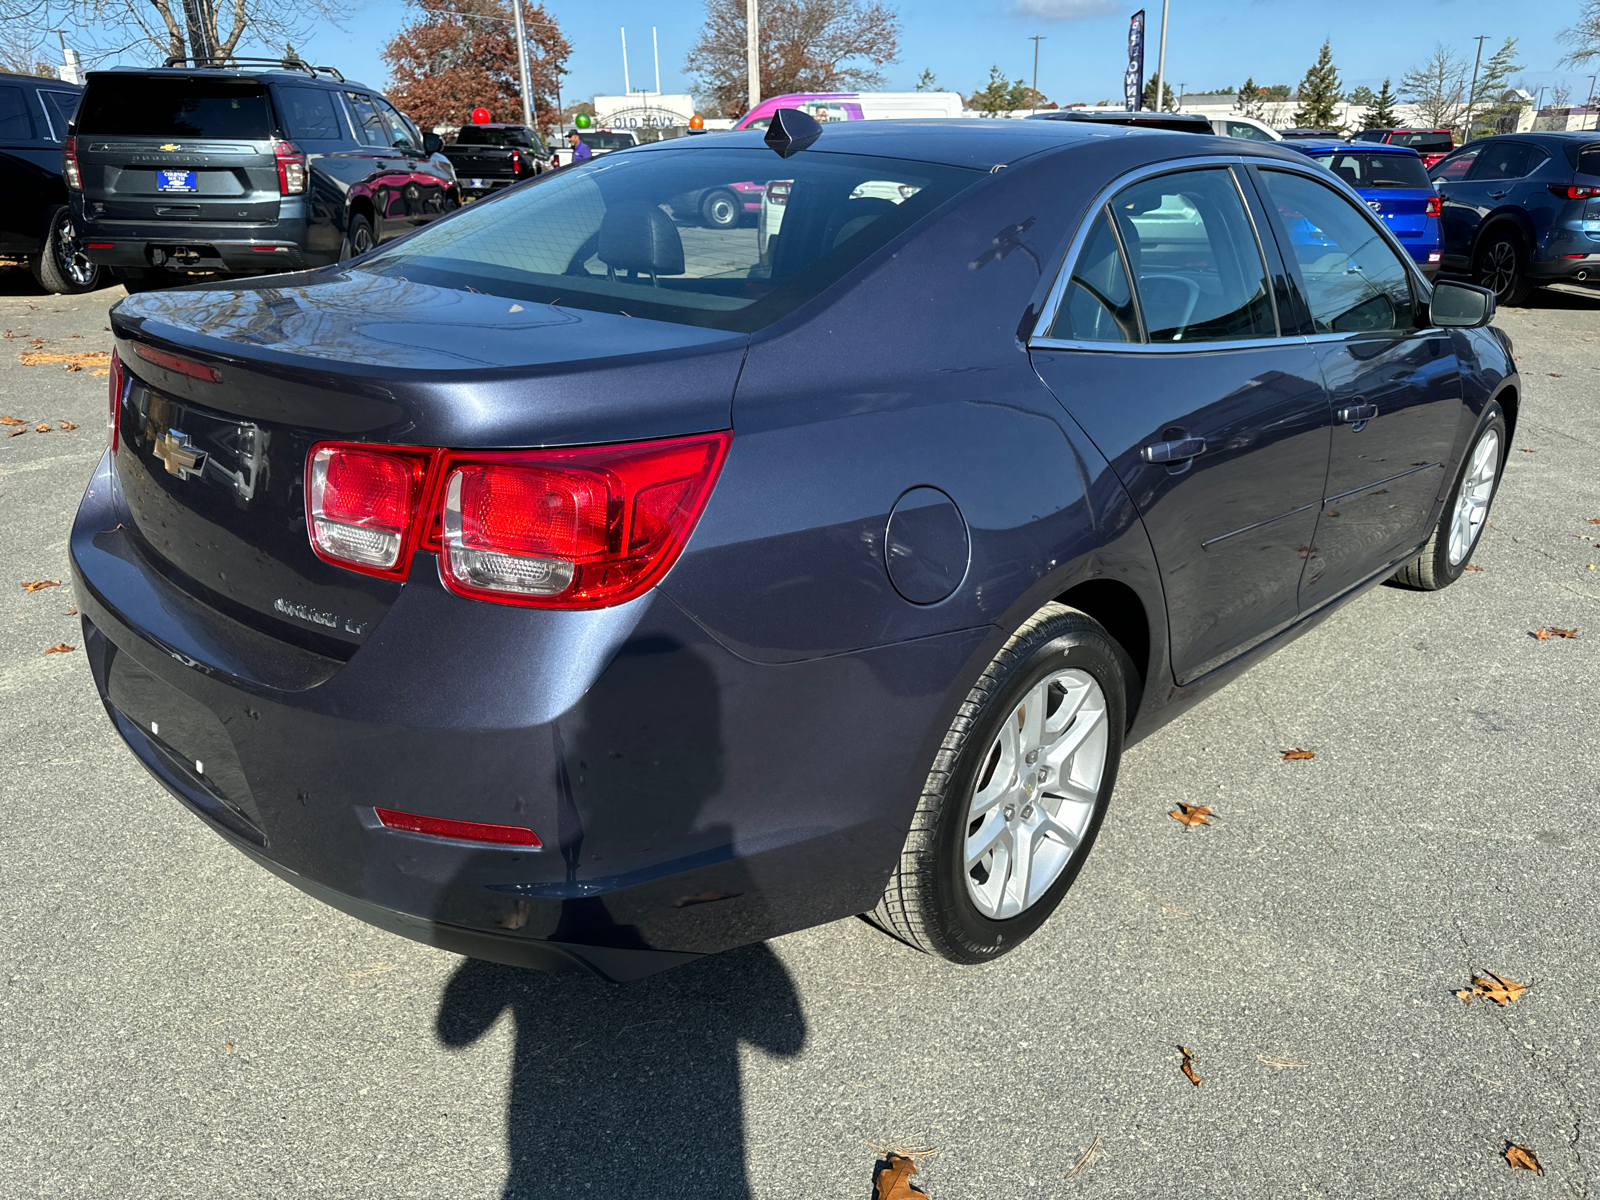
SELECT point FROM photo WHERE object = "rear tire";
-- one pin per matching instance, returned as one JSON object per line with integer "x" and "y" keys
{"x": 360, "y": 237}
{"x": 1011, "y": 807}
{"x": 1466, "y": 513}
{"x": 60, "y": 266}
{"x": 1502, "y": 266}
{"x": 721, "y": 209}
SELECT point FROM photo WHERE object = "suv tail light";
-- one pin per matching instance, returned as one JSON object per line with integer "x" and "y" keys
{"x": 362, "y": 504}
{"x": 588, "y": 527}
{"x": 116, "y": 401}
{"x": 69, "y": 164}
{"x": 1434, "y": 206}
{"x": 516, "y": 162}
{"x": 778, "y": 191}
{"x": 1574, "y": 192}
{"x": 291, "y": 168}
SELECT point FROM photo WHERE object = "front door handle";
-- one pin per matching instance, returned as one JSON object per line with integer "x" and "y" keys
{"x": 1171, "y": 452}
{"x": 1357, "y": 414}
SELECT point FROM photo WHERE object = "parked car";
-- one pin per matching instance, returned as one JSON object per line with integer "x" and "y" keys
{"x": 489, "y": 155}
{"x": 604, "y": 141}
{"x": 1234, "y": 125}
{"x": 35, "y": 222}
{"x": 244, "y": 171}
{"x": 829, "y": 107}
{"x": 1522, "y": 210}
{"x": 1431, "y": 144}
{"x": 722, "y": 206}
{"x": 1394, "y": 185}
{"x": 1145, "y": 118}
{"x": 555, "y": 596}
{"x": 1291, "y": 134}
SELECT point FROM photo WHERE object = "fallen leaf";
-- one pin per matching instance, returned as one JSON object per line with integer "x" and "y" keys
{"x": 16, "y": 421}
{"x": 1188, "y": 1066}
{"x": 16, "y": 433}
{"x": 1566, "y": 633}
{"x": 227, "y": 1045}
{"x": 101, "y": 371}
{"x": 1190, "y": 814}
{"x": 1498, "y": 988}
{"x": 1552, "y": 375}
{"x": 38, "y": 585}
{"x": 41, "y": 427}
{"x": 71, "y": 612}
{"x": 67, "y": 425}
{"x": 73, "y": 367}
{"x": 1297, "y": 754}
{"x": 1522, "y": 1158}
{"x": 61, "y": 648}
{"x": 83, "y": 358}
{"x": 1592, "y": 520}
{"x": 1472, "y": 567}
{"x": 1465, "y": 995}
{"x": 1083, "y": 1159}
{"x": 894, "y": 1180}
{"x": 1542, "y": 634}
{"x": 1525, "y": 450}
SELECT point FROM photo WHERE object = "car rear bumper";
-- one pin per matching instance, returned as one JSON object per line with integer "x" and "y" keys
{"x": 232, "y": 249}
{"x": 1584, "y": 271}
{"x": 688, "y": 800}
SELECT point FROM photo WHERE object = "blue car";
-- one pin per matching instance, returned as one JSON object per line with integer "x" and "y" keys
{"x": 1392, "y": 181}
{"x": 569, "y": 586}
{"x": 1523, "y": 210}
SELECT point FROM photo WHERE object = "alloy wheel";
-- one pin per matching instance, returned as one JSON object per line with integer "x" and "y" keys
{"x": 1472, "y": 501}
{"x": 1035, "y": 794}
{"x": 70, "y": 257}
{"x": 1500, "y": 268}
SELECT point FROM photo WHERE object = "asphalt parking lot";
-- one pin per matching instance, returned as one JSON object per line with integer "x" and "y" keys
{"x": 176, "y": 1022}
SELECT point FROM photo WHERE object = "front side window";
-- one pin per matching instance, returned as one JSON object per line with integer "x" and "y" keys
{"x": 370, "y": 125}
{"x": 1197, "y": 267}
{"x": 1098, "y": 303}
{"x": 602, "y": 235}
{"x": 406, "y": 136}
{"x": 1354, "y": 282}
{"x": 1457, "y": 165}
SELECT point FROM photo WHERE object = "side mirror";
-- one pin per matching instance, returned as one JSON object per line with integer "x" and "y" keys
{"x": 432, "y": 143}
{"x": 1461, "y": 305}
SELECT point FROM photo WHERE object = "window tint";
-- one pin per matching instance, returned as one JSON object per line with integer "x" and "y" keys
{"x": 1241, "y": 130}
{"x": 483, "y": 135}
{"x": 1504, "y": 160}
{"x": 15, "y": 124}
{"x": 59, "y": 107}
{"x": 405, "y": 134}
{"x": 598, "y": 235}
{"x": 310, "y": 114}
{"x": 1424, "y": 143}
{"x": 156, "y": 106}
{"x": 1457, "y": 165}
{"x": 371, "y": 128}
{"x": 1098, "y": 304}
{"x": 1196, "y": 265}
{"x": 1377, "y": 170}
{"x": 1586, "y": 159}
{"x": 1353, "y": 281}
{"x": 1371, "y": 135}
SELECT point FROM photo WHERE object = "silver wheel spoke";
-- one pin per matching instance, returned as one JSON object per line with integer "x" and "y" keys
{"x": 994, "y": 828}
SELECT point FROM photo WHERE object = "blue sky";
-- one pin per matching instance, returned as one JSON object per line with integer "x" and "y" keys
{"x": 1209, "y": 42}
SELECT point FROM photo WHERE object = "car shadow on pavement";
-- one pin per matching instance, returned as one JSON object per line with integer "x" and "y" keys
{"x": 621, "y": 1087}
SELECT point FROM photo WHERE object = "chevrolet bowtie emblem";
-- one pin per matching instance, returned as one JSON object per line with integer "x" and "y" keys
{"x": 181, "y": 458}
{"x": 170, "y": 146}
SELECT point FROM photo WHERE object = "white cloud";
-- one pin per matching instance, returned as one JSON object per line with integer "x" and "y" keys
{"x": 1064, "y": 10}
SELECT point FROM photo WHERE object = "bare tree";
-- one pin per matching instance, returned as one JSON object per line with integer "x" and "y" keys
{"x": 1559, "y": 95}
{"x": 1583, "y": 36}
{"x": 1437, "y": 87}
{"x": 804, "y": 46}
{"x": 156, "y": 29}
{"x": 21, "y": 54}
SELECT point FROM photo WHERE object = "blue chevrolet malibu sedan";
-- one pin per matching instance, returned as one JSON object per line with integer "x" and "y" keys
{"x": 1394, "y": 184}
{"x": 568, "y": 586}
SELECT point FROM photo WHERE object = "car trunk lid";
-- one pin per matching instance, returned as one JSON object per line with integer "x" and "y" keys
{"x": 1403, "y": 210}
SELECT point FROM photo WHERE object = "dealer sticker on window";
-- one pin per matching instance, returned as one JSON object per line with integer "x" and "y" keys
{"x": 175, "y": 181}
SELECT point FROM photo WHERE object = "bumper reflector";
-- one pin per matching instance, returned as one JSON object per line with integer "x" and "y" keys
{"x": 467, "y": 831}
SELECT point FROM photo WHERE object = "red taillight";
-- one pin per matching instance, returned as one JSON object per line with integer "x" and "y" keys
{"x": 116, "y": 401}
{"x": 778, "y": 191}
{"x": 1571, "y": 192}
{"x": 516, "y": 162}
{"x": 1434, "y": 207}
{"x": 69, "y": 164}
{"x": 582, "y": 528}
{"x": 291, "y": 168}
{"x": 467, "y": 831}
{"x": 362, "y": 505}
{"x": 99, "y": 245}
{"x": 173, "y": 363}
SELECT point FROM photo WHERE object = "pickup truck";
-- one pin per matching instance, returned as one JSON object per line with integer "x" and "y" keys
{"x": 491, "y": 155}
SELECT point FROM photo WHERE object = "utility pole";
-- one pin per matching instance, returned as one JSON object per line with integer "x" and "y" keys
{"x": 1181, "y": 86}
{"x": 195, "y": 13}
{"x": 752, "y": 52}
{"x": 522, "y": 63}
{"x": 1161, "y": 62}
{"x": 1472, "y": 92}
{"x": 1036, "y": 39}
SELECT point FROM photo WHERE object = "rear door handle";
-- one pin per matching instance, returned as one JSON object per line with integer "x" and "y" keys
{"x": 1357, "y": 414}
{"x": 1169, "y": 452}
{"x": 1497, "y": 195}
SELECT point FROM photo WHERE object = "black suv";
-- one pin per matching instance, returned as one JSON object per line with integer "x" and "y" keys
{"x": 244, "y": 171}
{"x": 34, "y": 222}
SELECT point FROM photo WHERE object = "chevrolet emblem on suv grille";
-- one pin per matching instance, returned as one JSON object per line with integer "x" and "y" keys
{"x": 181, "y": 458}
{"x": 170, "y": 146}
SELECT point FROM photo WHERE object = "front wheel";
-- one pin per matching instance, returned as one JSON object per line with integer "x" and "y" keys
{"x": 721, "y": 210}
{"x": 1465, "y": 514}
{"x": 1016, "y": 794}
{"x": 360, "y": 237}
{"x": 61, "y": 266}
{"x": 1502, "y": 267}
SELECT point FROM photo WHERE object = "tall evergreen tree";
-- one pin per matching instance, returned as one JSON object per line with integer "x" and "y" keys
{"x": 1169, "y": 101}
{"x": 1000, "y": 98}
{"x": 1251, "y": 101}
{"x": 1362, "y": 95}
{"x": 1380, "y": 112}
{"x": 1488, "y": 110}
{"x": 1320, "y": 94}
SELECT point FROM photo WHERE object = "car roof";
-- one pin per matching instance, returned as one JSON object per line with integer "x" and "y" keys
{"x": 1317, "y": 145}
{"x": 258, "y": 74}
{"x": 8, "y": 78}
{"x": 1560, "y": 136}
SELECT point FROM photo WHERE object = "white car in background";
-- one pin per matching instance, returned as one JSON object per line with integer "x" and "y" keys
{"x": 1244, "y": 127}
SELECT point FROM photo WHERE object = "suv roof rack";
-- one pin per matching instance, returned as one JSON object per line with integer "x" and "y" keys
{"x": 287, "y": 64}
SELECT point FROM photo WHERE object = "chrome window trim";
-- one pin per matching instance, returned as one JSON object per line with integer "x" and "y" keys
{"x": 1050, "y": 343}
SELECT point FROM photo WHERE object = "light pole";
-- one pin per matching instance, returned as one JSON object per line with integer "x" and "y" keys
{"x": 1161, "y": 61}
{"x": 1472, "y": 92}
{"x": 1036, "y": 39}
{"x": 752, "y": 55}
{"x": 522, "y": 62}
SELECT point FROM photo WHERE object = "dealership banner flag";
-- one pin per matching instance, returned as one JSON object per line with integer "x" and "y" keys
{"x": 1133, "y": 77}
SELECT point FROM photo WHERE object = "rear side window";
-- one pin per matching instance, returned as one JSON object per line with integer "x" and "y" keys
{"x": 599, "y": 236}
{"x": 1196, "y": 264}
{"x": 1505, "y": 160}
{"x": 310, "y": 114}
{"x": 1354, "y": 282}
{"x": 1098, "y": 304}
{"x": 1424, "y": 143}
{"x": 1377, "y": 170}
{"x": 371, "y": 128}
{"x": 15, "y": 124}
{"x": 59, "y": 107}
{"x": 161, "y": 106}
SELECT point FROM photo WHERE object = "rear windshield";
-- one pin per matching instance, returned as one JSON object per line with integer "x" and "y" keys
{"x": 153, "y": 106}
{"x": 1424, "y": 143}
{"x": 479, "y": 135}
{"x": 1377, "y": 170}
{"x": 600, "y": 139}
{"x": 624, "y": 234}
{"x": 1585, "y": 159}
